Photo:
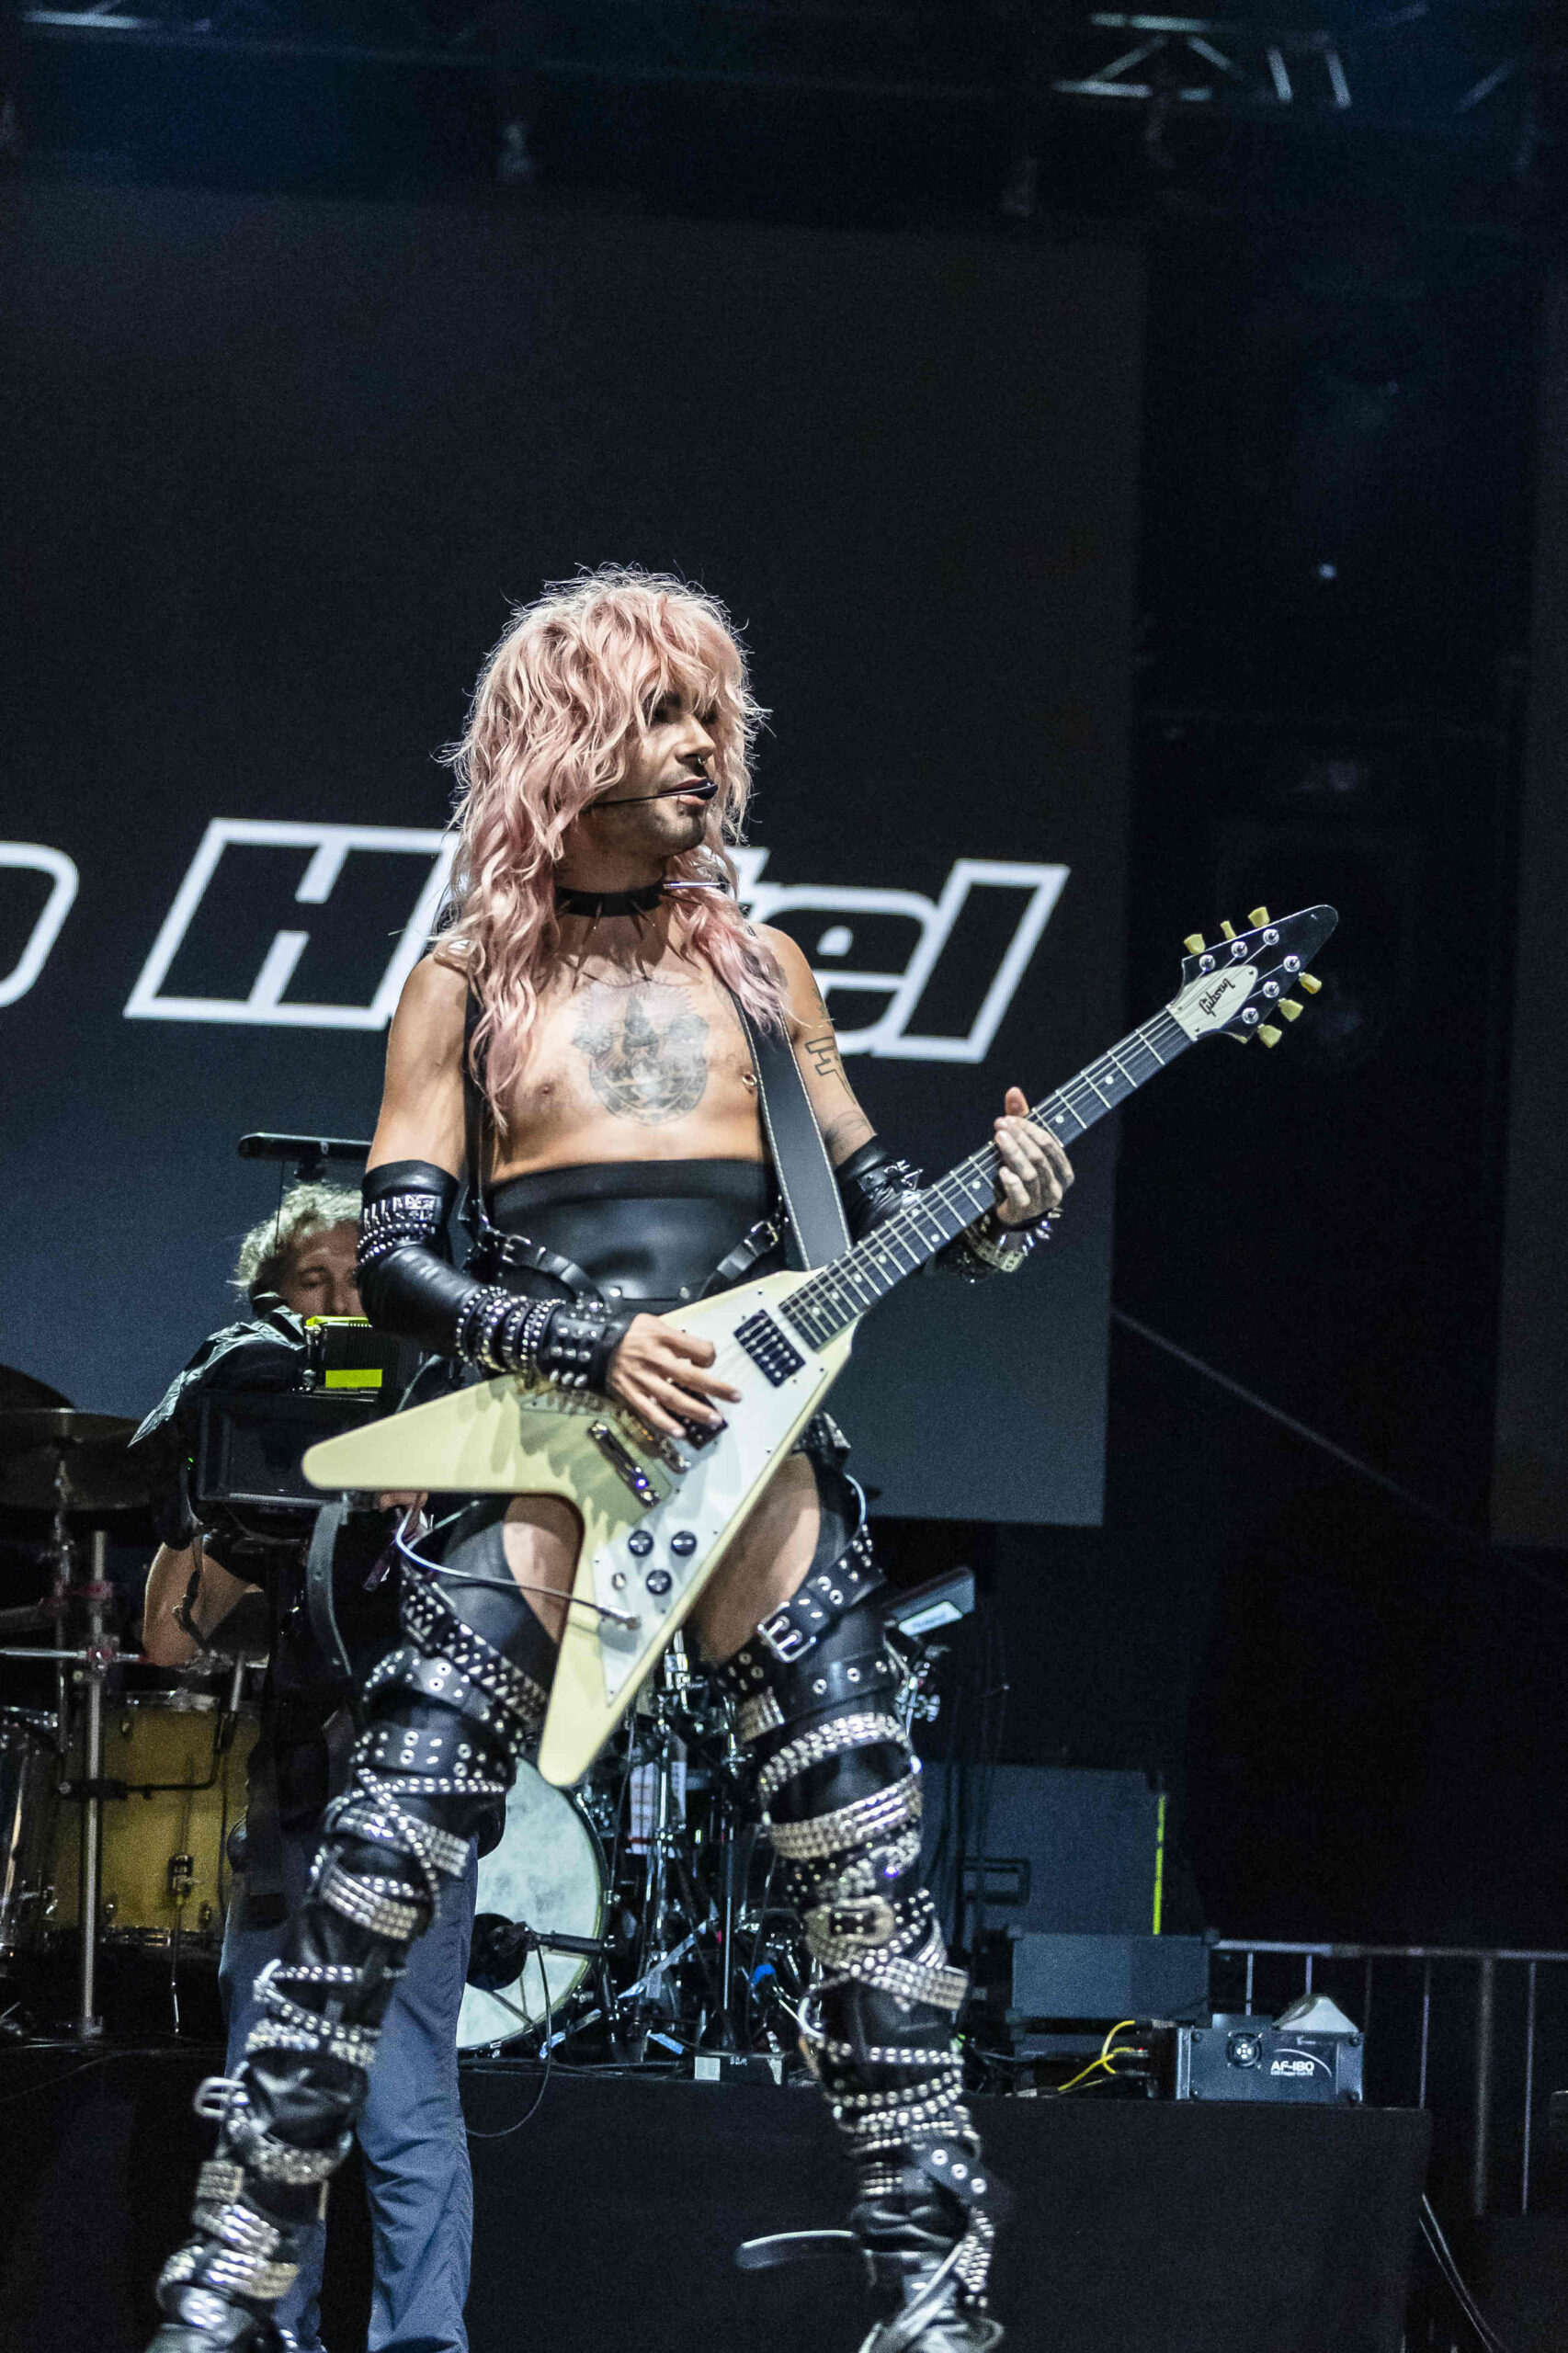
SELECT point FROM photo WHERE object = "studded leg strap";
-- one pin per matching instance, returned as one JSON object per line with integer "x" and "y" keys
{"x": 448, "y": 1715}
{"x": 841, "y": 1797}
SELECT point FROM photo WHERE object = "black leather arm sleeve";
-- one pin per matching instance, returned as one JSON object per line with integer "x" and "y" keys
{"x": 409, "y": 1286}
{"x": 408, "y": 1281}
{"x": 874, "y": 1186}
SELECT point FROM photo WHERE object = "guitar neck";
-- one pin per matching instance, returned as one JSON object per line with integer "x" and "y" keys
{"x": 828, "y": 1301}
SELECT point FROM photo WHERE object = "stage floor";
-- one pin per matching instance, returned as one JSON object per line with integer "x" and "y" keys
{"x": 610, "y": 2220}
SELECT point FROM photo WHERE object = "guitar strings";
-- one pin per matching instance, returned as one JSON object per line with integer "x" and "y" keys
{"x": 834, "y": 1287}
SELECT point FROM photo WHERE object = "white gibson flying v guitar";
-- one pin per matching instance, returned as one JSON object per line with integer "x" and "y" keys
{"x": 657, "y": 1514}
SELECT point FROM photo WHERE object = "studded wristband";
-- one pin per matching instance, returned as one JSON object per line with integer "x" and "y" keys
{"x": 578, "y": 1343}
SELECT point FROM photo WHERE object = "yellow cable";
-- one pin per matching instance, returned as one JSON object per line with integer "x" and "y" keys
{"x": 1103, "y": 2060}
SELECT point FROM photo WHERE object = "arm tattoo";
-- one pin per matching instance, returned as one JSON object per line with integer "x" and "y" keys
{"x": 826, "y": 1059}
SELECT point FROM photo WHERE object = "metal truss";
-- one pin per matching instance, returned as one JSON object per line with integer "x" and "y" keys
{"x": 1411, "y": 69}
{"x": 1198, "y": 62}
{"x": 1435, "y": 66}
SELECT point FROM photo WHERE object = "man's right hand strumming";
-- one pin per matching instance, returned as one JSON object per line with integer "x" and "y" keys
{"x": 661, "y": 1372}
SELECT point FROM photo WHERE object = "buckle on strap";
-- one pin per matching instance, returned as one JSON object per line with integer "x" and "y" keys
{"x": 214, "y": 2097}
{"x": 783, "y": 1637}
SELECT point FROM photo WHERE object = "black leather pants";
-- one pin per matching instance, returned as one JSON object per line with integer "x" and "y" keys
{"x": 447, "y": 1715}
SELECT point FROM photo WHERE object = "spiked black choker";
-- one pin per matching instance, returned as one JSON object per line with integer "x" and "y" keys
{"x": 607, "y": 902}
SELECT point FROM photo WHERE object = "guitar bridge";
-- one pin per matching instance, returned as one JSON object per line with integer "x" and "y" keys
{"x": 623, "y": 1463}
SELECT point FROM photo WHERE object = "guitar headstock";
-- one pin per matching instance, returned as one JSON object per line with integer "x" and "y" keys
{"x": 1241, "y": 987}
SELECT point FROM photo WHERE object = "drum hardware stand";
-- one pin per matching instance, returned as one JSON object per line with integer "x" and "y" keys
{"x": 720, "y": 2033}
{"x": 668, "y": 1862}
{"x": 101, "y": 1651}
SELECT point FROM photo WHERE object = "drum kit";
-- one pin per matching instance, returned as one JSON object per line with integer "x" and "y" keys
{"x": 631, "y": 1916}
{"x": 116, "y": 1796}
{"x": 636, "y": 1916}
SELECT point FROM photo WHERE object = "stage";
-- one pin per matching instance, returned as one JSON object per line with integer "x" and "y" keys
{"x": 611, "y": 2218}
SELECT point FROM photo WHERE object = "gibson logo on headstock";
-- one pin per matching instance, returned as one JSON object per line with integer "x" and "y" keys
{"x": 1218, "y": 992}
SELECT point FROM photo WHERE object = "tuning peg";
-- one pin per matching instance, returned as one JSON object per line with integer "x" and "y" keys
{"x": 1289, "y": 1008}
{"x": 1305, "y": 980}
{"x": 1269, "y": 1035}
{"x": 1227, "y": 931}
{"x": 1193, "y": 943}
{"x": 1259, "y": 914}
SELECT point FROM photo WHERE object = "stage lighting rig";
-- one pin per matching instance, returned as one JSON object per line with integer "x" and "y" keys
{"x": 1411, "y": 67}
{"x": 1202, "y": 61}
{"x": 937, "y": 99}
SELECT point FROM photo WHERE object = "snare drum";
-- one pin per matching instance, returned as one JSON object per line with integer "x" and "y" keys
{"x": 29, "y": 1769}
{"x": 548, "y": 1869}
{"x": 182, "y": 1759}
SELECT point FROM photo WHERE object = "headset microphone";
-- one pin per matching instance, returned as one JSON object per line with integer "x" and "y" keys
{"x": 701, "y": 788}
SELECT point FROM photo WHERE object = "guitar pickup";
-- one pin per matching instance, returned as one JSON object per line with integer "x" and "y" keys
{"x": 623, "y": 1463}
{"x": 768, "y": 1350}
{"x": 700, "y": 1434}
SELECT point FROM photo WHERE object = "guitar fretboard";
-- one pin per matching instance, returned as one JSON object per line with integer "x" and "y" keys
{"x": 828, "y": 1301}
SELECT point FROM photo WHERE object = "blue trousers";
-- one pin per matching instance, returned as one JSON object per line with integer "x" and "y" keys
{"x": 411, "y": 2133}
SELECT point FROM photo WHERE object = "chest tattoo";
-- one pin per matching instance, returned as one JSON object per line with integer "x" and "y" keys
{"x": 647, "y": 1051}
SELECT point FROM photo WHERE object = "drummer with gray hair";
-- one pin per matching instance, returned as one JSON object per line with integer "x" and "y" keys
{"x": 412, "y": 2135}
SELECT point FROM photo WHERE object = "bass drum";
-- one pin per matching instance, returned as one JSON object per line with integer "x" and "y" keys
{"x": 548, "y": 1870}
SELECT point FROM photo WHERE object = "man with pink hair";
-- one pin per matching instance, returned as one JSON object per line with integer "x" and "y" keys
{"x": 582, "y": 1043}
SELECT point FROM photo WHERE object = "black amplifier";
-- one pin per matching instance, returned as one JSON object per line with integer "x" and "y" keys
{"x": 1237, "y": 2057}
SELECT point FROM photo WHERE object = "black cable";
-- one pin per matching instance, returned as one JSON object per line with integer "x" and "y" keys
{"x": 98, "y": 2059}
{"x": 507, "y": 2130}
{"x": 1443, "y": 2256}
{"x": 1479, "y": 1548}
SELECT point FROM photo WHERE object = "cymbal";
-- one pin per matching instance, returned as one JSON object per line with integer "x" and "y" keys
{"x": 24, "y": 1427}
{"x": 21, "y": 1388}
{"x": 31, "y": 1617}
{"x": 51, "y": 1451}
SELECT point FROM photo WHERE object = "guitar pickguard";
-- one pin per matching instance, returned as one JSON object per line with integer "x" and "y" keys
{"x": 657, "y": 1518}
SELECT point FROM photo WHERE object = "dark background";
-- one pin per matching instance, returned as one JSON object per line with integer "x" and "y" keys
{"x": 288, "y": 459}
{"x": 1344, "y": 680}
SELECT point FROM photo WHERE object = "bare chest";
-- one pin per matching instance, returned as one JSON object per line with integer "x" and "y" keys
{"x": 634, "y": 1066}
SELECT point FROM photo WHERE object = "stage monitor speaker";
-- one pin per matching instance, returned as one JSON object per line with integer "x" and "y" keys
{"x": 1048, "y": 1849}
{"x": 1103, "y": 1978}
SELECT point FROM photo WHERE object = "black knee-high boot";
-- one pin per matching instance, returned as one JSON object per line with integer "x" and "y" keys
{"x": 841, "y": 1796}
{"x": 448, "y": 1715}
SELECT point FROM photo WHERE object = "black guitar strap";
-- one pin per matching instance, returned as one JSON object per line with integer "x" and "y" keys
{"x": 473, "y": 1211}
{"x": 806, "y": 1182}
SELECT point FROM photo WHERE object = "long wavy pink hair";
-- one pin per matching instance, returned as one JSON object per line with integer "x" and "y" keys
{"x": 559, "y": 705}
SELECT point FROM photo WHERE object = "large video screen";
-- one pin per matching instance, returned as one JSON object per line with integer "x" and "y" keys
{"x": 277, "y": 469}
